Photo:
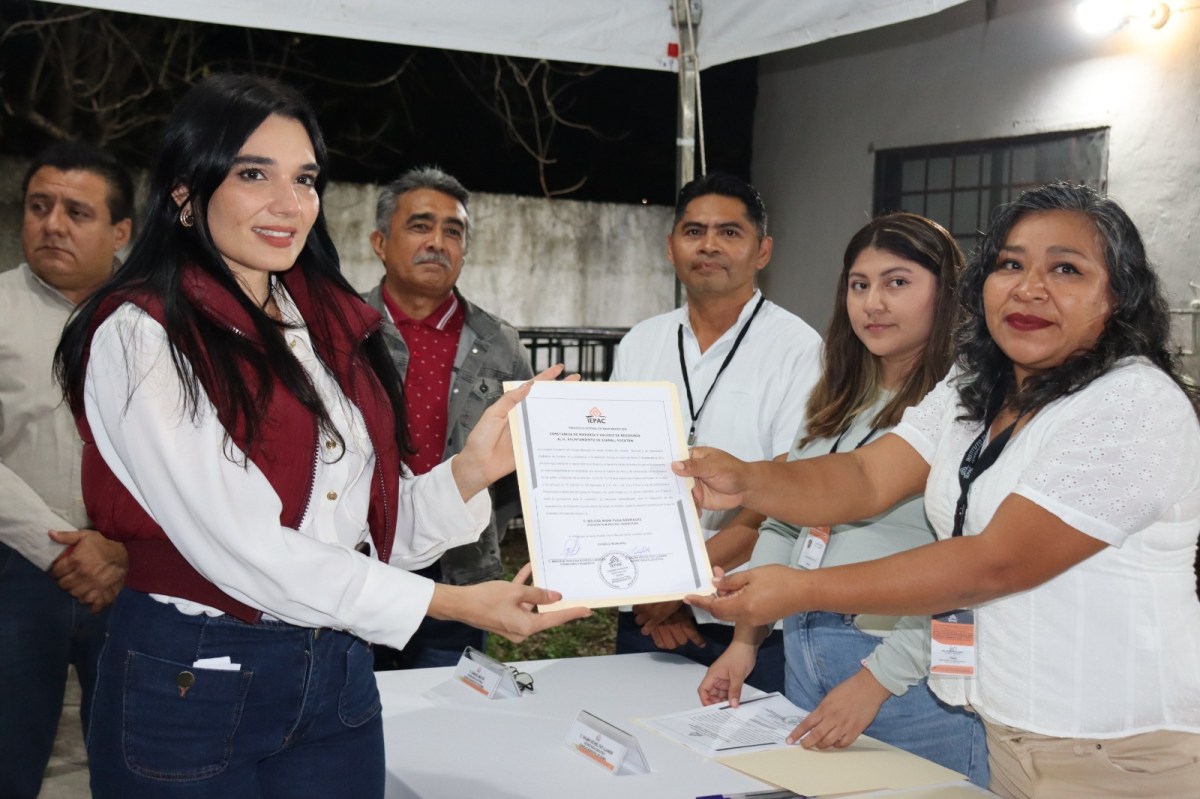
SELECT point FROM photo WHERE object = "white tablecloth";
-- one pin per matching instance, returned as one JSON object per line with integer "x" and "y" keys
{"x": 444, "y": 741}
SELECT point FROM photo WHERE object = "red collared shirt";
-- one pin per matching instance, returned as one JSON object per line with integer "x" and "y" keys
{"x": 432, "y": 344}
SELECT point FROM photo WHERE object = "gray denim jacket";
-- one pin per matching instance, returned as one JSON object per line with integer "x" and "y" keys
{"x": 489, "y": 352}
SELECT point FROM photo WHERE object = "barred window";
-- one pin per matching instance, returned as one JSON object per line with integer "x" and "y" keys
{"x": 960, "y": 184}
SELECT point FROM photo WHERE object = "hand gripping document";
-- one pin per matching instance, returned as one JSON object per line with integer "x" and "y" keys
{"x": 607, "y": 521}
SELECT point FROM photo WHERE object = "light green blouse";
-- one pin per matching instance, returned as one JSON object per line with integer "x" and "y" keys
{"x": 902, "y": 657}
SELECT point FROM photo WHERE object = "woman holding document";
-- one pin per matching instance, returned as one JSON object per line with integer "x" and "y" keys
{"x": 887, "y": 346}
{"x": 1060, "y": 464}
{"x": 243, "y": 429}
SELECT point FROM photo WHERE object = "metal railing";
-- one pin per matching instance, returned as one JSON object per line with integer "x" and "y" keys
{"x": 586, "y": 350}
{"x": 1190, "y": 343}
{"x": 1191, "y": 347}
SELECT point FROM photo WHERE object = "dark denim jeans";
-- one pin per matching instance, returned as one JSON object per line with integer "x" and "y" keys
{"x": 768, "y": 669}
{"x": 824, "y": 649}
{"x": 298, "y": 718}
{"x": 43, "y": 630}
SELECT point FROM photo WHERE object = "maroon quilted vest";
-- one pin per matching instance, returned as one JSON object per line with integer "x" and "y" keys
{"x": 287, "y": 442}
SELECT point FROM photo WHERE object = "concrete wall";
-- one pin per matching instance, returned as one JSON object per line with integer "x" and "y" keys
{"x": 823, "y": 110}
{"x": 535, "y": 262}
{"x": 538, "y": 262}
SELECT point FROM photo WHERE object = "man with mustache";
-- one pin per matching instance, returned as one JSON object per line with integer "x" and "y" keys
{"x": 743, "y": 368}
{"x": 454, "y": 358}
{"x": 57, "y": 576}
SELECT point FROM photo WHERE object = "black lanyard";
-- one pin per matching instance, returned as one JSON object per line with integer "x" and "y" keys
{"x": 975, "y": 462}
{"x": 687, "y": 384}
{"x": 865, "y": 438}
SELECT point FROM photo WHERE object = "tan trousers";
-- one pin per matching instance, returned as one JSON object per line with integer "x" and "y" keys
{"x": 1153, "y": 765}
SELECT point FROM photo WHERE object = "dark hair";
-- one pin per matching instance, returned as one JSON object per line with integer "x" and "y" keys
{"x": 422, "y": 177}
{"x": 72, "y": 156}
{"x": 200, "y": 141}
{"x": 850, "y": 375}
{"x": 1139, "y": 323}
{"x": 727, "y": 186}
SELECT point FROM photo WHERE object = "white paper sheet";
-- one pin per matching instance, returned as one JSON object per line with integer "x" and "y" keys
{"x": 608, "y": 522}
{"x": 757, "y": 724}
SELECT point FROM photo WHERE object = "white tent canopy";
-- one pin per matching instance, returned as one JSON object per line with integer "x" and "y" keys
{"x": 625, "y": 33}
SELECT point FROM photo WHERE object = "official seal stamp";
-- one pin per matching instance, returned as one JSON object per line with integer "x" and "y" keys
{"x": 618, "y": 570}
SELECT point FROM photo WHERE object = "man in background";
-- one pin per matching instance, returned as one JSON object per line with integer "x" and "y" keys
{"x": 454, "y": 358}
{"x": 743, "y": 368}
{"x": 57, "y": 575}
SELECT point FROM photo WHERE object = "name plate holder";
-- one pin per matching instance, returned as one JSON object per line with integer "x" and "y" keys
{"x": 607, "y": 746}
{"x": 486, "y": 675}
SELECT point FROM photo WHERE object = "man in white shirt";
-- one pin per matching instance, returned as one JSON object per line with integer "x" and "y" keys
{"x": 56, "y": 575}
{"x": 744, "y": 368}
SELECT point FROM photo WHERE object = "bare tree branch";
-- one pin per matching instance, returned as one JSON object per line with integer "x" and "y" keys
{"x": 113, "y": 78}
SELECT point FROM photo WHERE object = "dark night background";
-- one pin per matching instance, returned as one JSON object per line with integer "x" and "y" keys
{"x": 111, "y": 78}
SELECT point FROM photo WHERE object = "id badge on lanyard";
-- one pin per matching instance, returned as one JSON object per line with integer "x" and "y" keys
{"x": 952, "y": 635}
{"x": 952, "y": 644}
{"x": 817, "y": 540}
{"x": 814, "y": 548}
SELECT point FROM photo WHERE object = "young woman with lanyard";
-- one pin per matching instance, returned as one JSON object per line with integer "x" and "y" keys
{"x": 243, "y": 431}
{"x": 888, "y": 344}
{"x": 1074, "y": 546}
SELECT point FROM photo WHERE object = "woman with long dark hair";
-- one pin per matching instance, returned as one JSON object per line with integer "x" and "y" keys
{"x": 887, "y": 346}
{"x": 1060, "y": 464}
{"x": 244, "y": 429}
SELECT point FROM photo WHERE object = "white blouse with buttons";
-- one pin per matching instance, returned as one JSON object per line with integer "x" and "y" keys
{"x": 1110, "y": 647}
{"x": 223, "y": 516}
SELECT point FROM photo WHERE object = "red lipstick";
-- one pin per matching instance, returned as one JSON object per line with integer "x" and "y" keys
{"x": 1026, "y": 322}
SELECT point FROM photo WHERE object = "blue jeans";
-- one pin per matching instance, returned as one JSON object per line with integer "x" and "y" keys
{"x": 824, "y": 649}
{"x": 299, "y": 718}
{"x": 768, "y": 670}
{"x": 43, "y": 630}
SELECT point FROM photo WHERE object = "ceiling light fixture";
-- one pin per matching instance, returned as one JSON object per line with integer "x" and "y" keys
{"x": 1108, "y": 16}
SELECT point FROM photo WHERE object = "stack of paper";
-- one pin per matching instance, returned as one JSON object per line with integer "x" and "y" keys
{"x": 757, "y": 730}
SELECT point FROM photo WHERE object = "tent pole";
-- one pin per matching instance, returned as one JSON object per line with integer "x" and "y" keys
{"x": 685, "y": 129}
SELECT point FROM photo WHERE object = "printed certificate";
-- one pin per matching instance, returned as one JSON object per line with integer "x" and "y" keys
{"x": 608, "y": 522}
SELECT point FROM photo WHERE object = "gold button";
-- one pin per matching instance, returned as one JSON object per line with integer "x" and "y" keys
{"x": 292, "y": 343}
{"x": 330, "y": 444}
{"x": 331, "y": 495}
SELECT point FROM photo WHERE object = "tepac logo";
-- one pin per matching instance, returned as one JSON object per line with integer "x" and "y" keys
{"x": 595, "y": 416}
